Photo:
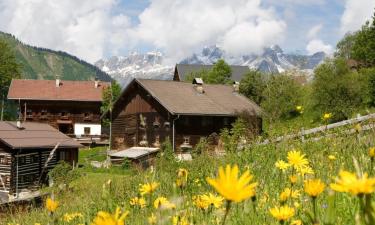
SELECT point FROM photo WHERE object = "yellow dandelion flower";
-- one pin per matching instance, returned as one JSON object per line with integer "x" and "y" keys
{"x": 163, "y": 203}
{"x": 148, "y": 188}
{"x": 232, "y": 188}
{"x": 141, "y": 202}
{"x": 350, "y": 183}
{"x": 371, "y": 152}
{"x": 68, "y": 217}
{"x": 105, "y": 218}
{"x": 51, "y": 205}
{"x": 293, "y": 179}
{"x": 332, "y": 157}
{"x": 288, "y": 193}
{"x": 152, "y": 219}
{"x": 327, "y": 116}
{"x": 282, "y": 213}
{"x": 305, "y": 170}
{"x": 297, "y": 159}
{"x": 211, "y": 199}
{"x": 200, "y": 203}
{"x": 282, "y": 165}
{"x": 296, "y": 222}
{"x": 314, "y": 187}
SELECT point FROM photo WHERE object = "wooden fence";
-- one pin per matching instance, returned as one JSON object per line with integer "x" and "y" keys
{"x": 322, "y": 129}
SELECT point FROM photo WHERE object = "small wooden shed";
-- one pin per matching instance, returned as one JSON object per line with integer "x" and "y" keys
{"x": 28, "y": 151}
{"x": 140, "y": 157}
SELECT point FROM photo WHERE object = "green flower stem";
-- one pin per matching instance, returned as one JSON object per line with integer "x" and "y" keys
{"x": 226, "y": 211}
{"x": 314, "y": 210}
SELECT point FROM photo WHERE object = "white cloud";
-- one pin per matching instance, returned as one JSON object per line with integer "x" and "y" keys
{"x": 317, "y": 45}
{"x": 83, "y": 28}
{"x": 313, "y": 32}
{"x": 356, "y": 13}
{"x": 180, "y": 27}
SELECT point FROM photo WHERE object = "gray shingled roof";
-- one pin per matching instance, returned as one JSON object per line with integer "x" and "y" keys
{"x": 182, "y": 98}
{"x": 185, "y": 69}
{"x": 134, "y": 152}
{"x": 34, "y": 135}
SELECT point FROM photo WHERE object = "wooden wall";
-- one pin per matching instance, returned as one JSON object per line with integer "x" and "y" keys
{"x": 28, "y": 165}
{"x": 51, "y": 111}
{"x": 5, "y": 167}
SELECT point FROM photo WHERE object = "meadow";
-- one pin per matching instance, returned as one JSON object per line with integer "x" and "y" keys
{"x": 180, "y": 193}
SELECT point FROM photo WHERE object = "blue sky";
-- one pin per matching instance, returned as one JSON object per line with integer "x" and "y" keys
{"x": 95, "y": 29}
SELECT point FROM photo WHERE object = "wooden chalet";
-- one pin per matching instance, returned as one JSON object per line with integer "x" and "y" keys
{"x": 182, "y": 71}
{"x": 149, "y": 111}
{"x": 24, "y": 150}
{"x": 72, "y": 107}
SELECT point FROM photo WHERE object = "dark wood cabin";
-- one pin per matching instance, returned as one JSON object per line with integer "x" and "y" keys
{"x": 149, "y": 111}
{"x": 24, "y": 150}
{"x": 182, "y": 71}
{"x": 72, "y": 107}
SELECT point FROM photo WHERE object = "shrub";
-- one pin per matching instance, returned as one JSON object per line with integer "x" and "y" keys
{"x": 63, "y": 173}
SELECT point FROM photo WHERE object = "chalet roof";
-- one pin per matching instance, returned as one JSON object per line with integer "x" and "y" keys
{"x": 182, "y": 98}
{"x": 34, "y": 135}
{"x": 47, "y": 90}
{"x": 186, "y": 69}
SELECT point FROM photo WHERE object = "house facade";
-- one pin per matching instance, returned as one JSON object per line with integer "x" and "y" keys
{"x": 28, "y": 151}
{"x": 149, "y": 111}
{"x": 72, "y": 107}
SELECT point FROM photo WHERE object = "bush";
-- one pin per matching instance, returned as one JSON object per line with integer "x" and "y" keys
{"x": 280, "y": 97}
{"x": 63, "y": 173}
{"x": 336, "y": 89}
{"x": 252, "y": 85}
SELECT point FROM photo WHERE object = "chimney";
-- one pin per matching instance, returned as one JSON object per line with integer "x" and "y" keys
{"x": 198, "y": 85}
{"x": 58, "y": 82}
{"x": 96, "y": 82}
{"x": 19, "y": 125}
{"x": 236, "y": 86}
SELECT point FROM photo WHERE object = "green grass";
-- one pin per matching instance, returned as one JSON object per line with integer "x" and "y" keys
{"x": 90, "y": 193}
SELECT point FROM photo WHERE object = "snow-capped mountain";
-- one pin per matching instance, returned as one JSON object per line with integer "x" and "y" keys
{"x": 272, "y": 60}
{"x": 136, "y": 65}
{"x": 150, "y": 65}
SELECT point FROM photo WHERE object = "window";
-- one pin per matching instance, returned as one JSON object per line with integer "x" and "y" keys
{"x": 226, "y": 121}
{"x": 87, "y": 130}
{"x": 29, "y": 113}
{"x": 62, "y": 155}
{"x": 2, "y": 159}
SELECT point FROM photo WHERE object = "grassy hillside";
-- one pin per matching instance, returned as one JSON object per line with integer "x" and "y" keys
{"x": 39, "y": 63}
{"x": 93, "y": 192}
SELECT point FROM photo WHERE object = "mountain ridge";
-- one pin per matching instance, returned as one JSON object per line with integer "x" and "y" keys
{"x": 43, "y": 63}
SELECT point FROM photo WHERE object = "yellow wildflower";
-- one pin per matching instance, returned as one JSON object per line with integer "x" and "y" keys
{"x": 332, "y": 157}
{"x": 371, "y": 152}
{"x": 71, "y": 216}
{"x": 211, "y": 199}
{"x": 163, "y": 203}
{"x": 305, "y": 170}
{"x": 293, "y": 179}
{"x": 199, "y": 202}
{"x": 152, "y": 219}
{"x": 288, "y": 193}
{"x": 296, "y": 222}
{"x": 282, "y": 165}
{"x": 182, "y": 175}
{"x": 148, "y": 188}
{"x": 180, "y": 220}
{"x": 51, "y": 205}
{"x": 314, "y": 187}
{"x": 282, "y": 213}
{"x": 299, "y": 108}
{"x": 327, "y": 116}
{"x": 141, "y": 202}
{"x": 105, "y": 218}
{"x": 297, "y": 159}
{"x": 232, "y": 188}
{"x": 350, "y": 183}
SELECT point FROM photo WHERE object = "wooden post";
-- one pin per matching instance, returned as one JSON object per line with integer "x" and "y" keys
{"x": 303, "y": 134}
{"x": 2, "y": 108}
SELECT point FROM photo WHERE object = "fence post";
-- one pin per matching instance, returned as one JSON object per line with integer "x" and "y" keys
{"x": 302, "y": 134}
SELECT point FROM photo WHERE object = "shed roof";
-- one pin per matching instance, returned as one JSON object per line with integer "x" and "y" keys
{"x": 47, "y": 90}
{"x": 134, "y": 152}
{"x": 34, "y": 135}
{"x": 181, "y": 98}
{"x": 186, "y": 69}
